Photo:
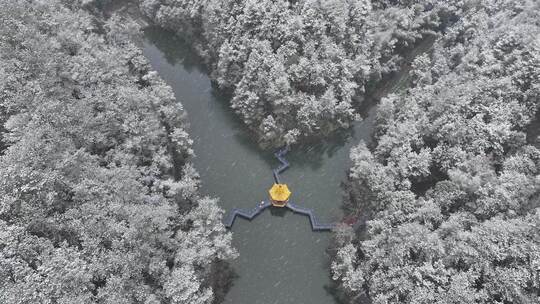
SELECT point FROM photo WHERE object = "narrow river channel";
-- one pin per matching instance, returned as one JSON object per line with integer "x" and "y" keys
{"x": 281, "y": 260}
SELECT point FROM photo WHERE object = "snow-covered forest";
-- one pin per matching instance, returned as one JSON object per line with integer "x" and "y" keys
{"x": 298, "y": 69}
{"x": 99, "y": 201}
{"x": 453, "y": 182}
{"x": 452, "y": 185}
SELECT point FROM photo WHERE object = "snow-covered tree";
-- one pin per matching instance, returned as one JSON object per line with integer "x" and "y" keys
{"x": 452, "y": 187}
{"x": 99, "y": 201}
{"x": 296, "y": 59}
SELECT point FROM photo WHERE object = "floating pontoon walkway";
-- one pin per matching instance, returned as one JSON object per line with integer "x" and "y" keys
{"x": 284, "y": 164}
{"x": 247, "y": 214}
{"x": 250, "y": 214}
{"x": 315, "y": 225}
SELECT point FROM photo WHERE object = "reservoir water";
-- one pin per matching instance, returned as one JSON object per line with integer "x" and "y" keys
{"x": 281, "y": 260}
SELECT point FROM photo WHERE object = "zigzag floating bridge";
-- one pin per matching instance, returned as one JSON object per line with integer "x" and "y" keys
{"x": 278, "y": 190}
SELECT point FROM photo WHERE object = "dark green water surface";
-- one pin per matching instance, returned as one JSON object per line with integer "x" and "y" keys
{"x": 281, "y": 260}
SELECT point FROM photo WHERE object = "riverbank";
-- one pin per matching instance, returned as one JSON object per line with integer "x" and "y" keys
{"x": 401, "y": 174}
{"x": 297, "y": 77}
{"x": 312, "y": 153}
{"x": 278, "y": 246}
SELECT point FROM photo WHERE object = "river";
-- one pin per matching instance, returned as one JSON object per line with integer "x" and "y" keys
{"x": 281, "y": 260}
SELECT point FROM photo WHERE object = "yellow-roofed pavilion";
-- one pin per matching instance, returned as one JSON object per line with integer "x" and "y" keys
{"x": 279, "y": 193}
